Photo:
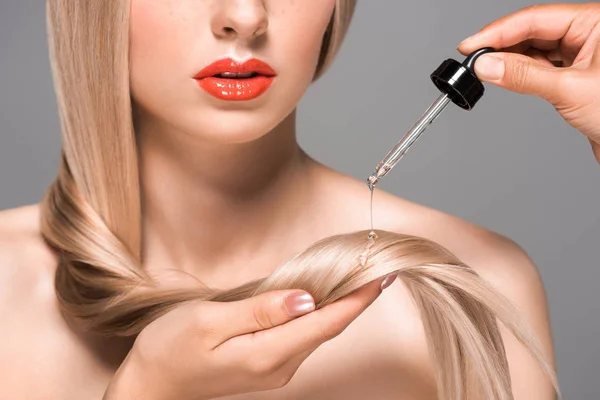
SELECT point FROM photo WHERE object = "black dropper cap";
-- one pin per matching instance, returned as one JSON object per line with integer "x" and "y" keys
{"x": 459, "y": 81}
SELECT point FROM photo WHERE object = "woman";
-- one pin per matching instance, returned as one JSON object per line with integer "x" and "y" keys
{"x": 225, "y": 195}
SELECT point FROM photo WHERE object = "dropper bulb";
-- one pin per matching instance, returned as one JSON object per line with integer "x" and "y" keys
{"x": 458, "y": 80}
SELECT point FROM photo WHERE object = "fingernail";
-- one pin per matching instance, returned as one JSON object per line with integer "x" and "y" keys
{"x": 299, "y": 304}
{"x": 489, "y": 67}
{"x": 389, "y": 279}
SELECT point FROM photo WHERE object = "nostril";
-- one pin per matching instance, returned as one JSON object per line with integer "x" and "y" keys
{"x": 228, "y": 30}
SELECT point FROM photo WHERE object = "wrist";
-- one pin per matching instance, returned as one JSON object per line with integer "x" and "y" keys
{"x": 129, "y": 383}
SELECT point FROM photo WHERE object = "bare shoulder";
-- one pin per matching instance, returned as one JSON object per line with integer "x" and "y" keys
{"x": 496, "y": 258}
{"x": 26, "y": 301}
{"x": 42, "y": 356}
{"x": 26, "y": 268}
{"x": 26, "y": 263}
{"x": 501, "y": 262}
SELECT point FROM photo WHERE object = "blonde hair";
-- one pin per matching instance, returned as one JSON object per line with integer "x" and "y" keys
{"x": 91, "y": 217}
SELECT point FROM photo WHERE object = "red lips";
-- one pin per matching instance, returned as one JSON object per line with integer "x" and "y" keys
{"x": 227, "y": 79}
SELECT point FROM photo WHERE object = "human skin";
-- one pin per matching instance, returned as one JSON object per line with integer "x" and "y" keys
{"x": 551, "y": 51}
{"x": 254, "y": 199}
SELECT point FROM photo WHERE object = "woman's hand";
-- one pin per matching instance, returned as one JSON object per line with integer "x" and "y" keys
{"x": 551, "y": 51}
{"x": 203, "y": 350}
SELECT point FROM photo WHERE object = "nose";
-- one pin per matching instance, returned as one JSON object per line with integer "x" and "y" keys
{"x": 243, "y": 19}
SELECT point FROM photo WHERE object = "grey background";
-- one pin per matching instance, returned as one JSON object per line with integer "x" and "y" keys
{"x": 511, "y": 165}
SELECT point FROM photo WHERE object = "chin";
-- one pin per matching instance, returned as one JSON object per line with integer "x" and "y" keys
{"x": 231, "y": 126}
{"x": 228, "y": 130}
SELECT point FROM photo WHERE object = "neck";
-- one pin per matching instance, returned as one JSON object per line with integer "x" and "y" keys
{"x": 208, "y": 208}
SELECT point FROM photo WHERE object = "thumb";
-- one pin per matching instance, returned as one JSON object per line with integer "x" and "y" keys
{"x": 258, "y": 313}
{"x": 518, "y": 73}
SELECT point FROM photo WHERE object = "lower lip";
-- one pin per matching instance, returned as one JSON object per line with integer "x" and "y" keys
{"x": 236, "y": 89}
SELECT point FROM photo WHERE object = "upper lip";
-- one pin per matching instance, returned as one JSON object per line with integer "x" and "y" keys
{"x": 230, "y": 65}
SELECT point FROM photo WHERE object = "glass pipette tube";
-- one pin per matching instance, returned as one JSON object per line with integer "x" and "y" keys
{"x": 392, "y": 158}
{"x": 459, "y": 84}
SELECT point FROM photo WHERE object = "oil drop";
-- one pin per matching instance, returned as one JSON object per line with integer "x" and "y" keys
{"x": 364, "y": 257}
{"x": 372, "y": 181}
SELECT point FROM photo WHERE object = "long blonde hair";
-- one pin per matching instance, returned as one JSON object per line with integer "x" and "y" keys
{"x": 91, "y": 217}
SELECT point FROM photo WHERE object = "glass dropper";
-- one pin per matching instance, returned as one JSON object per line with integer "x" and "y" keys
{"x": 458, "y": 84}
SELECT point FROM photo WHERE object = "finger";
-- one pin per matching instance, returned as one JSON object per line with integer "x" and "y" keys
{"x": 519, "y": 73}
{"x": 555, "y": 49}
{"x": 542, "y": 58}
{"x": 545, "y": 22}
{"x": 557, "y": 56}
{"x": 594, "y": 45}
{"x": 258, "y": 313}
{"x": 552, "y": 49}
{"x": 539, "y": 44}
{"x": 309, "y": 332}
